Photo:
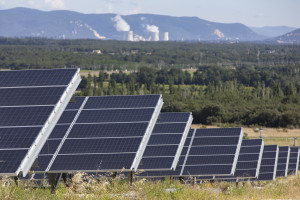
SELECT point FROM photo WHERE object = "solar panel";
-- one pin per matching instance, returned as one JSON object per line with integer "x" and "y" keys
{"x": 212, "y": 162}
{"x": 268, "y": 164}
{"x": 283, "y": 161}
{"x": 163, "y": 173}
{"x": 104, "y": 134}
{"x": 166, "y": 142}
{"x": 30, "y": 105}
{"x": 249, "y": 160}
{"x": 294, "y": 160}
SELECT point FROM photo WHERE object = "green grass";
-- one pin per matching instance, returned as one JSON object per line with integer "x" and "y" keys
{"x": 119, "y": 188}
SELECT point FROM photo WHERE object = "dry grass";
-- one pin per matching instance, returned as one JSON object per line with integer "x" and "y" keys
{"x": 84, "y": 187}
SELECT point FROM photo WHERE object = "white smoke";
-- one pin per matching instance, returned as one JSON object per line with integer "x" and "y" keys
{"x": 57, "y": 4}
{"x": 120, "y": 23}
{"x": 152, "y": 28}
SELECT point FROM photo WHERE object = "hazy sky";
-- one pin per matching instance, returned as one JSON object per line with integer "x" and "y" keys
{"x": 249, "y": 12}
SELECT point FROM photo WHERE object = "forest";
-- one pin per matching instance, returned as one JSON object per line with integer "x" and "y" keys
{"x": 231, "y": 84}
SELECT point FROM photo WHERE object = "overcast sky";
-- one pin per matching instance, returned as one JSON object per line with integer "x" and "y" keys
{"x": 249, "y": 12}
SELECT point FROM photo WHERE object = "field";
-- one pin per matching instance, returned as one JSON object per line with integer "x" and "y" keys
{"x": 118, "y": 188}
{"x": 279, "y": 136}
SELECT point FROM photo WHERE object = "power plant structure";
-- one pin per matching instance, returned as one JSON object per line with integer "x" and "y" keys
{"x": 155, "y": 36}
{"x": 130, "y": 36}
{"x": 166, "y": 36}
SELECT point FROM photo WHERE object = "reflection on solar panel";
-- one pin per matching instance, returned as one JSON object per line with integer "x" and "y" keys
{"x": 101, "y": 134}
{"x": 294, "y": 160}
{"x": 283, "y": 161}
{"x": 268, "y": 164}
{"x": 249, "y": 160}
{"x": 166, "y": 142}
{"x": 212, "y": 152}
{"x": 31, "y": 103}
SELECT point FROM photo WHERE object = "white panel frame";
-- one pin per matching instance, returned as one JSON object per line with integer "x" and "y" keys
{"x": 144, "y": 142}
{"x": 180, "y": 147}
{"x": 49, "y": 125}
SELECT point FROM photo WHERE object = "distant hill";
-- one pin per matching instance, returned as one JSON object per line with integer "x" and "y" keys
{"x": 272, "y": 31}
{"x": 288, "y": 38}
{"x": 24, "y": 22}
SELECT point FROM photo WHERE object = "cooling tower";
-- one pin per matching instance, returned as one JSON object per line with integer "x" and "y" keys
{"x": 155, "y": 36}
{"x": 130, "y": 36}
{"x": 166, "y": 36}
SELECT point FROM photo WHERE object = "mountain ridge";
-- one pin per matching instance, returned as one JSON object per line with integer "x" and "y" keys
{"x": 64, "y": 24}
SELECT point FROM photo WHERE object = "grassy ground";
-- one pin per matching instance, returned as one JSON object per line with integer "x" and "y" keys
{"x": 283, "y": 188}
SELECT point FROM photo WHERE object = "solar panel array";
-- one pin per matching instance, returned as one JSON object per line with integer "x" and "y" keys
{"x": 294, "y": 160}
{"x": 166, "y": 142}
{"x": 31, "y": 103}
{"x": 268, "y": 164}
{"x": 101, "y": 134}
{"x": 212, "y": 152}
{"x": 283, "y": 161}
{"x": 249, "y": 160}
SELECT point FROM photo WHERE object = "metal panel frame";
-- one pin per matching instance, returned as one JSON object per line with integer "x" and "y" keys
{"x": 143, "y": 144}
{"x": 180, "y": 147}
{"x": 49, "y": 125}
{"x": 297, "y": 164}
{"x": 260, "y": 158}
{"x": 237, "y": 152}
{"x": 276, "y": 162}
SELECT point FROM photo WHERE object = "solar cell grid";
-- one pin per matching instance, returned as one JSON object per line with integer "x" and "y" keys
{"x": 283, "y": 161}
{"x": 249, "y": 160}
{"x": 104, "y": 135}
{"x": 294, "y": 160}
{"x": 268, "y": 165}
{"x": 31, "y": 103}
{"x": 212, "y": 162}
{"x": 167, "y": 141}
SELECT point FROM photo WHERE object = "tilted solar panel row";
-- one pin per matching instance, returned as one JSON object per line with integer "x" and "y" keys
{"x": 31, "y": 103}
{"x": 166, "y": 142}
{"x": 268, "y": 166}
{"x": 283, "y": 161}
{"x": 294, "y": 160}
{"x": 97, "y": 134}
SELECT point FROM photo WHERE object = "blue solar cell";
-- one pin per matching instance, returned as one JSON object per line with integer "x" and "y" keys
{"x": 118, "y": 115}
{"x": 122, "y": 102}
{"x": 156, "y": 163}
{"x": 268, "y": 148}
{"x": 187, "y": 142}
{"x": 67, "y": 117}
{"x": 252, "y": 142}
{"x": 265, "y": 177}
{"x": 18, "y": 137}
{"x": 59, "y": 131}
{"x": 165, "y": 139}
{"x": 93, "y": 162}
{"x": 210, "y": 160}
{"x": 42, "y": 163}
{"x": 191, "y": 132}
{"x": 107, "y": 145}
{"x": 220, "y": 132}
{"x": 215, "y": 141}
{"x": 269, "y": 161}
{"x": 255, "y": 149}
{"x": 248, "y": 157}
{"x": 169, "y": 128}
{"x": 173, "y": 117}
{"x": 36, "y": 77}
{"x": 10, "y": 160}
{"x": 168, "y": 150}
{"x": 245, "y": 173}
{"x": 269, "y": 154}
{"x": 247, "y": 165}
{"x": 30, "y": 96}
{"x": 24, "y": 116}
{"x": 206, "y": 170}
{"x": 108, "y": 130}
{"x": 212, "y": 150}
{"x": 75, "y": 103}
{"x": 50, "y": 146}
